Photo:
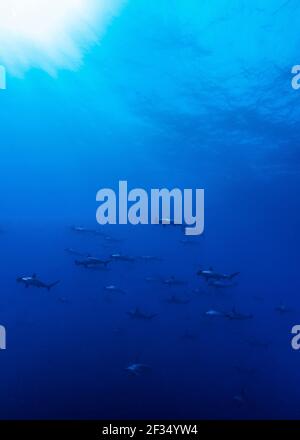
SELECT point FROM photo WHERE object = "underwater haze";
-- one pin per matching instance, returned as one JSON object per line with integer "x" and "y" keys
{"x": 164, "y": 94}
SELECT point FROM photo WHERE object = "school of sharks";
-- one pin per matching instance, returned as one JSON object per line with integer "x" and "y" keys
{"x": 175, "y": 291}
{"x": 125, "y": 315}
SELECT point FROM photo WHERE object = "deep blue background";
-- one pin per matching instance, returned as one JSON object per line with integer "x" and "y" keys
{"x": 187, "y": 94}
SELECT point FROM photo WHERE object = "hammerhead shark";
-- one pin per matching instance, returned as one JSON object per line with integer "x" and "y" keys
{"x": 234, "y": 315}
{"x": 33, "y": 281}
{"x": 136, "y": 369}
{"x": 210, "y": 274}
{"x": 138, "y": 314}
{"x": 72, "y": 251}
{"x": 89, "y": 262}
{"x": 84, "y": 230}
{"x": 172, "y": 281}
{"x": 120, "y": 257}
{"x": 174, "y": 299}
{"x": 114, "y": 289}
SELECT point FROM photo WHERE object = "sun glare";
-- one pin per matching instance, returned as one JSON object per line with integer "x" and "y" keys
{"x": 50, "y": 33}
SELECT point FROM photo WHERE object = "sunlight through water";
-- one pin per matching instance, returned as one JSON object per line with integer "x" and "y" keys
{"x": 50, "y": 34}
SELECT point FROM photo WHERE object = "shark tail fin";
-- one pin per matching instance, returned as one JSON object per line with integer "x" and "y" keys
{"x": 49, "y": 287}
{"x": 233, "y": 275}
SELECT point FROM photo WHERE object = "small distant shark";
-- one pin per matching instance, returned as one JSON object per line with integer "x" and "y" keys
{"x": 92, "y": 262}
{"x": 198, "y": 291}
{"x": 234, "y": 315}
{"x": 110, "y": 239}
{"x": 153, "y": 279}
{"x": 138, "y": 314}
{"x": 72, "y": 251}
{"x": 282, "y": 309}
{"x": 149, "y": 258}
{"x": 241, "y": 398}
{"x": 210, "y": 274}
{"x": 172, "y": 281}
{"x": 136, "y": 369}
{"x": 114, "y": 289}
{"x": 33, "y": 281}
{"x": 84, "y": 230}
{"x": 214, "y": 313}
{"x": 120, "y": 257}
{"x": 174, "y": 299}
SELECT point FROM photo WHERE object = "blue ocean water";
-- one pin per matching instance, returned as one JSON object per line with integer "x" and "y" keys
{"x": 176, "y": 94}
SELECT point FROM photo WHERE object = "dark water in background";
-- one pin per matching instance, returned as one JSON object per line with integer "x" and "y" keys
{"x": 177, "y": 95}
